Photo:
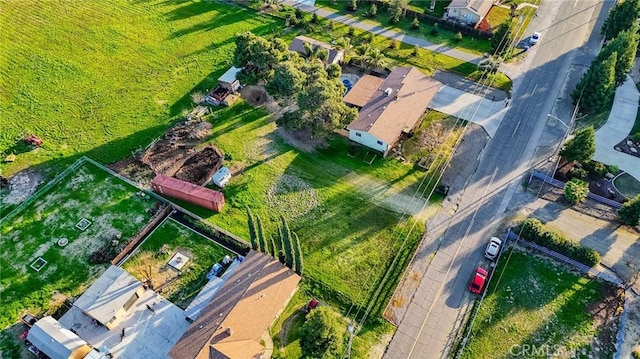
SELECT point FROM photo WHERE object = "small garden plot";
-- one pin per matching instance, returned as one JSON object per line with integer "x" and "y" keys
{"x": 44, "y": 252}
{"x": 543, "y": 304}
{"x": 173, "y": 246}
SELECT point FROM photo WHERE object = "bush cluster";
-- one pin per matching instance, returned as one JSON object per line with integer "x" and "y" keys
{"x": 534, "y": 231}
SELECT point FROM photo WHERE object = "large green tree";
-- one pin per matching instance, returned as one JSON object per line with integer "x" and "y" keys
{"x": 322, "y": 334}
{"x": 597, "y": 86}
{"x": 581, "y": 147}
{"x": 259, "y": 54}
{"x": 297, "y": 254}
{"x": 287, "y": 240}
{"x": 626, "y": 46}
{"x": 502, "y": 39}
{"x": 630, "y": 212}
{"x": 253, "y": 238}
{"x": 287, "y": 80}
{"x": 620, "y": 18}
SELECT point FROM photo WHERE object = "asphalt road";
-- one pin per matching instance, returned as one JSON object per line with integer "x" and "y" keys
{"x": 437, "y": 308}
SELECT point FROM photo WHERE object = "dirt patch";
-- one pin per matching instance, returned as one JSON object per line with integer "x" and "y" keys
{"x": 22, "y": 185}
{"x": 255, "y": 95}
{"x": 200, "y": 167}
{"x": 607, "y": 314}
{"x": 301, "y": 139}
{"x": 134, "y": 170}
{"x": 377, "y": 351}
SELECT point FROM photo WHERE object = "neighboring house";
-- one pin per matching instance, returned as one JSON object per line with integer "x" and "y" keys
{"x": 57, "y": 342}
{"x": 469, "y": 12}
{"x": 240, "y": 314}
{"x": 297, "y": 45}
{"x": 110, "y": 297}
{"x": 392, "y": 108}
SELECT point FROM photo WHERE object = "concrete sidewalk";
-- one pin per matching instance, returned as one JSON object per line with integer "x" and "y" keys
{"x": 470, "y": 107}
{"x": 304, "y": 5}
{"x": 617, "y": 128}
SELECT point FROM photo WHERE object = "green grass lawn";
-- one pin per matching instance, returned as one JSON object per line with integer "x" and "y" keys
{"x": 89, "y": 192}
{"x": 150, "y": 261}
{"x": 102, "y": 78}
{"x": 497, "y": 16}
{"x": 536, "y": 302}
{"x": 342, "y": 209}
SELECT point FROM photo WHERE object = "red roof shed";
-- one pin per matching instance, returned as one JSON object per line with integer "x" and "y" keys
{"x": 188, "y": 192}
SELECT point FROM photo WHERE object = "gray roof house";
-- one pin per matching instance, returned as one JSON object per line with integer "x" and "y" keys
{"x": 110, "y": 296}
{"x": 297, "y": 45}
{"x": 469, "y": 12}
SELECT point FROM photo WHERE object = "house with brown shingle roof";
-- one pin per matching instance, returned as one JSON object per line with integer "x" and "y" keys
{"x": 469, "y": 12}
{"x": 297, "y": 45}
{"x": 233, "y": 323}
{"x": 392, "y": 108}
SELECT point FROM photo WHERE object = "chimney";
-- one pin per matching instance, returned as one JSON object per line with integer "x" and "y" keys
{"x": 229, "y": 331}
{"x": 388, "y": 92}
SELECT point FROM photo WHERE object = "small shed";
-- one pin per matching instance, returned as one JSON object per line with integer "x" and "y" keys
{"x": 221, "y": 177}
{"x": 189, "y": 192}
{"x": 52, "y": 339}
{"x": 229, "y": 79}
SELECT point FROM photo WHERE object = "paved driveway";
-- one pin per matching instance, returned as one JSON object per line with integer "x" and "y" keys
{"x": 470, "y": 107}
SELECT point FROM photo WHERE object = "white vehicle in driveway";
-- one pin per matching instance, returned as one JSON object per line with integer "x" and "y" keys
{"x": 534, "y": 38}
{"x": 493, "y": 248}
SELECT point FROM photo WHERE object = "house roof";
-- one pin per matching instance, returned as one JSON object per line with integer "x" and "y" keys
{"x": 188, "y": 188}
{"x": 56, "y": 341}
{"x": 385, "y": 117}
{"x": 362, "y": 91}
{"x": 231, "y": 75}
{"x": 108, "y": 294}
{"x": 298, "y": 42}
{"x": 480, "y": 7}
{"x": 248, "y": 303}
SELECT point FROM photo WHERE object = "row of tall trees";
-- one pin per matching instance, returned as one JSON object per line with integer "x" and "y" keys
{"x": 284, "y": 245}
{"x": 609, "y": 69}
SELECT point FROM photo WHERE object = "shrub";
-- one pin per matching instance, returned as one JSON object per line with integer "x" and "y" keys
{"x": 630, "y": 211}
{"x": 415, "y": 24}
{"x": 331, "y": 25}
{"x": 434, "y": 29}
{"x": 636, "y": 137}
{"x": 373, "y": 11}
{"x": 394, "y": 44}
{"x": 458, "y": 36}
{"x": 614, "y": 169}
{"x": 353, "y": 5}
{"x": 415, "y": 50}
{"x": 351, "y": 31}
{"x": 299, "y": 14}
{"x": 534, "y": 231}
{"x": 579, "y": 173}
{"x": 636, "y": 353}
{"x": 322, "y": 334}
{"x": 595, "y": 170}
{"x": 314, "y": 18}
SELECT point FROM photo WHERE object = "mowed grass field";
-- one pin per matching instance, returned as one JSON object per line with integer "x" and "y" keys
{"x": 89, "y": 192}
{"x": 150, "y": 262}
{"x": 538, "y": 303}
{"x": 103, "y": 78}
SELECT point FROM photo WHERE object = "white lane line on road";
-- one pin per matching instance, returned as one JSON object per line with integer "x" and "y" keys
{"x": 444, "y": 281}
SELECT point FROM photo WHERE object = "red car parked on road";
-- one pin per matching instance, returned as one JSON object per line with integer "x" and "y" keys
{"x": 478, "y": 280}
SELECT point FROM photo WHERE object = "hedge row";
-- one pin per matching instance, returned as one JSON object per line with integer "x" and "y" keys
{"x": 534, "y": 231}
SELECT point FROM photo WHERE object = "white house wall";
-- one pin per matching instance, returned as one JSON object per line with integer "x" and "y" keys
{"x": 367, "y": 139}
